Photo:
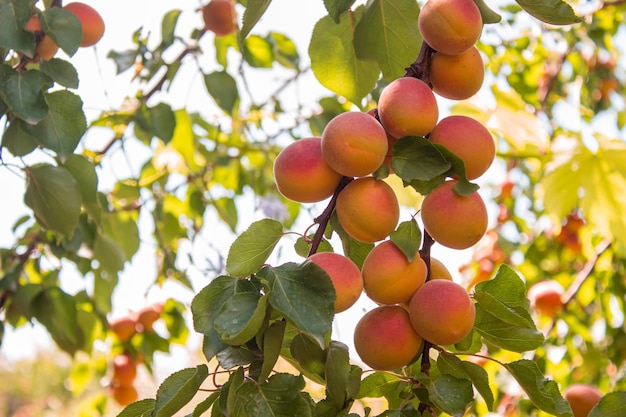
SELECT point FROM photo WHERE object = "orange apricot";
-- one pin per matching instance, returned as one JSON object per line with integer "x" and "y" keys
{"x": 47, "y": 48}
{"x": 582, "y": 398}
{"x": 345, "y": 276}
{"x": 368, "y": 209}
{"x": 354, "y": 144}
{"x": 442, "y": 312}
{"x": 389, "y": 277}
{"x": 468, "y": 139}
{"x": 91, "y": 22}
{"x": 454, "y": 220}
{"x": 148, "y": 315}
{"x": 407, "y": 107}
{"x": 220, "y": 17}
{"x": 302, "y": 174}
{"x": 450, "y": 26}
{"x": 545, "y": 297}
{"x": 438, "y": 270}
{"x": 124, "y": 370}
{"x": 123, "y": 327}
{"x": 125, "y": 394}
{"x": 457, "y": 77}
{"x": 385, "y": 339}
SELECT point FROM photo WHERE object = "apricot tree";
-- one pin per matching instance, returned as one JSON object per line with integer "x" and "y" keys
{"x": 446, "y": 123}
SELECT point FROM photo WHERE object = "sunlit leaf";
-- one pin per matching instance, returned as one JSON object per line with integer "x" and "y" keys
{"x": 336, "y": 8}
{"x": 252, "y": 248}
{"x": 556, "y": 12}
{"x": 258, "y": 52}
{"x": 223, "y": 88}
{"x": 487, "y": 14}
{"x": 168, "y": 26}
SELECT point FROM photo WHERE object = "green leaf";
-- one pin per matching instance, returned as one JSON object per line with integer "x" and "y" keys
{"x": 555, "y": 12}
{"x": 449, "y": 393}
{"x": 204, "y": 406}
{"x": 252, "y": 248}
{"x": 108, "y": 253}
{"x": 241, "y": 317}
{"x": 234, "y": 382}
{"x": 18, "y": 140}
{"x": 542, "y": 392}
{"x": 463, "y": 186}
{"x": 379, "y": 384}
{"x": 280, "y": 396}
{"x": 223, "y": 88}
{"x": 334, "y": 60}
{"x": 141, "y": 408}
{"x": 452, "y": 365}
{"x": 123, "y": 60}
{"x": 63, "y": 126}
{"x": 310, "y": 356}
{"x": 258, "y": 52}
{"x": 304, "y": 294}
{"x": 178, "y": 389}
{"x": 227, "y": 210}
{"x": 487, "y": 14}
{"x": 388, "y": 34}
{"x": 285, "y": 52}
{"x": 54, "y": 196}
{"x": 336, "y": 8}
{"x": 611, "y": 405}
{"x": 13, "y": 18}
{"x": 60, "y": 71}
{"x": 272, "y": 345}
{"x": 407, "y": 238}
{"x": 254, "y": 11}
{"x": 168, "y": 26}
{"x": 337, "y": 374}
{"x": 84, "y": 172}
{"x": 63, "y": 27}
{"x": 57, "y": 311}
{"x": 302, "y": 247}
{"x": 206, "y": 305}
{"x": 416, "y": 158}
{"x": 22, "y": 92}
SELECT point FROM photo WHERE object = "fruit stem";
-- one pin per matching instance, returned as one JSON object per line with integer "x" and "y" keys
{"x": 323, "y": 219}
{"x": 420, "y": 68}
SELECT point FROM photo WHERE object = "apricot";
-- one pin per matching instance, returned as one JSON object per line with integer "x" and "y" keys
{"x": 354, "y": 144}
{"x": 389, "y": 277}
{"x": 468, "y": 139}
{"x": 368, "y": 209}
{"x": 148, "y": 315}
{"x": 125, "y": 394}
{"x": 124, "y": 370}
{"x": 582, "y": 398}
{"x": 345, "y": 276}
{"x": 220, "y": 17}
{"x": 46, "y": 48}
{"x": 384, "y": 338}
{"x": 407, "y": 107}
{"x": 123, "y": 327}
{"x": 454, "y": 220}
{"x": 302, "y": 174}
{"x": 457, "y": 77}
{"x": 90, "y": 21}
{"x": 450, "y": 26}
{"x": 545, "y": 297}
{"x": 438, "y": 270}
{"x": 442, "y": 312}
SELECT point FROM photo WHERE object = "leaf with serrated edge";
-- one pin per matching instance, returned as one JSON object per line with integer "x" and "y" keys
{"x": 556, "y": 12}
{"x": 252, "y": 248}
{"x": 407, "y": 238}
{"x": 141, "y": 408}
{"x": 178, "y": 389}
{"x": 611, "y": 405}
{"x": 450, "y": 364}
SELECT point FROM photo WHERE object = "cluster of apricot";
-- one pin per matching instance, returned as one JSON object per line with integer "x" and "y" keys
{"x": 91, "y": 23}
{"x": 413, "y": 304}
{"x": 121, "y": 386}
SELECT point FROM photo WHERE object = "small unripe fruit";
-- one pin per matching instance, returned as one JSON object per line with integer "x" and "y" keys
{"x": 345, "y": 276}
{"x": 384, "y": 338}
{"x": 442, "y": 312}
{"x": 545, "y": 297}
{"x": 457, "y": 77}
{"x": 368, "y": 209}
{"x": 302, "y": 174}
{"x": 90, "y": 21}
{"x": 220, "y": 17}
{"x": 582, "y": 398}
{"x": 354, "y": 144}
{"x": 407, "y": 107}
{"x": 468, "y": 139}
{"x": 450, "y": 26}
{"x": 454, "y": 220}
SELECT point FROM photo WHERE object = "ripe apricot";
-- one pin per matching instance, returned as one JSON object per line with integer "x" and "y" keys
{"x": 442, "y": 312}
{"x": 457, "y": 77}
{"x": 468, "y": 139}
{"x": 385, "y": 339}
{"x": 582, "y": 398}
{"x": 220, "y": 17}
{"x": 389, "y": 277}
{"x": 354, "y": 144}
{"x": 345, "y": 276}
{"x": 123, "y": 327}
{"x": 450, "y": 26}
{"x": 148, "y": 315}
{"x": 438, "y": 270}
{"x": 90, "y": 21}
{"x": 454, "y": 220}
{"x": 407, "y": 107}
{"x": 545, "y": 297}
{"x": 125, "y": 395}
{"x": 368, "y": 209}
{"x": 302, "y": 174}
{"x": 46, "y": 47}
{"x": 124, "y": 370}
